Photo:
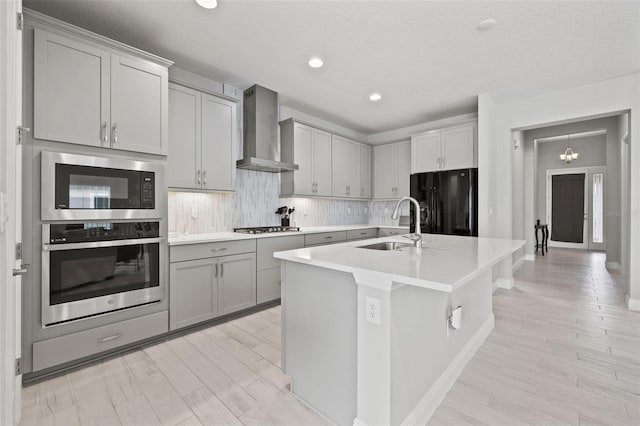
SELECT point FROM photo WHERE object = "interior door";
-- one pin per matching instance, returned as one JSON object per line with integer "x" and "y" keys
{"x": 567, "y": 208}
{"x": 10, "y": 211}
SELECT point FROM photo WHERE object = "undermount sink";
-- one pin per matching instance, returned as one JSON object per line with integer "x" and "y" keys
{"x": 387, "y": 245}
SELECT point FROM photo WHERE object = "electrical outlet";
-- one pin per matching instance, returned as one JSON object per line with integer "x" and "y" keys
{"x": 372, "y": 310}
{"x": 194, "y": 212}
{"x": 366, "y": 210}
{"x": 348, "y": 210}
{"x": 386, "y": 210}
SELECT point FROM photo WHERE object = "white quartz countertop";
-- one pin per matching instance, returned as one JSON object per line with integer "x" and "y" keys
{"x": 444, "y": 263}
{"x": 180, "y": 239}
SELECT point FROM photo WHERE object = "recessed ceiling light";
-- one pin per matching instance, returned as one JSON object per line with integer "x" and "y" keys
{"x": 375, "y": 97}
{"x": 316, "y": 62}
{"x": 487, "y": 24}
{"x": 208, "y": 4}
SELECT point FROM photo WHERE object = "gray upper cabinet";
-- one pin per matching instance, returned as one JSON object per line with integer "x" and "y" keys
{"x": 365, "y": 171}
{"x": 202, "y": 134}
{"x": 345, "y": 167}
{"x": 391, "y": 170}
{"x": 185, "y": 134}
{"x": 445, "y": 149}
{"x": 71, "y": 89}
{"x": 310, "y": 149}
{"x": 219, "y": 133}
{"x": 139, "y": 100}
{"x": 90, "y": 94}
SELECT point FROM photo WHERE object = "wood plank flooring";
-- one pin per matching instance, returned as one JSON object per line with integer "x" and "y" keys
{"x": 224, "y": 375}
{"x": 565, "y": 350}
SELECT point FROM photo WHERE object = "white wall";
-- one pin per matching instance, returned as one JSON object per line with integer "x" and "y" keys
{"x": 603, "y": 98}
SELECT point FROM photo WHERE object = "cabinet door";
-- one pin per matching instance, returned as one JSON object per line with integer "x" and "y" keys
{"x": 458, "y": 147}
{"x": 403, "y": 168}
{"x": 365, "y": 171}
{"x": 353, "y": 169}
{"x": 322, "y": 162}
{"x": 71, "y": 91}
{"x": 237, "y": 280}
{"x": 384, "y": 171}
{"x": 425, "y": 152}
{"x": 139, "y": 92}
{"x": 218, "y": 139}
{"x": 183, "y": 161}
{"x": 303, "y": 157}
{"x": 339, "y": 166}
{"x": 193, "y": 292}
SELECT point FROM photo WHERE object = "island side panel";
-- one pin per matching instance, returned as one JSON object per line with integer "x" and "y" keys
{"x": 420, "y": 348}
{"x": 319, "y": 338}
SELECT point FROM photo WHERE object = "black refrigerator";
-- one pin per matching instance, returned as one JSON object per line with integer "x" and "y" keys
{"x": 448, "y": 202}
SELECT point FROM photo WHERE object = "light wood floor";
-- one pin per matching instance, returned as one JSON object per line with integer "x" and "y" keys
{"x": 565, "y": 350}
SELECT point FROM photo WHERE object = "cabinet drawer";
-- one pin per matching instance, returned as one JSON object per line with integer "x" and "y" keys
{"x": 267, "y": 246}
{"x": 391, "y": 232}
{"x": 205, "y": 250}
{"x": 59, "y": 350}
{"x": 325, "y": 238}
{"x": 359, "y": 234}
{"x": 268, "y": 285}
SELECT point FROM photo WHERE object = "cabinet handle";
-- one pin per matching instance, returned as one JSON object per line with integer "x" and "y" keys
{"x": 222, "y": 269}
{"x": 328, "y": 238}
{"x": 204, "y": 177}
{"x": 106, "y": 339}
{"x": 105, "y": 133}
{"x": 443, "y": 162}
{"x": 219, "y": 249}
{"x": 215, "y": 274}
{"x": 362, "y": 191}
{"x": 198, "y": 177}
{"x": 363, "y": 233}
{"x": 115, "y": 134}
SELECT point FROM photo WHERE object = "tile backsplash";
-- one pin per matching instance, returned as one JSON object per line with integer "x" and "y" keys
{"x": 255, "y": 202}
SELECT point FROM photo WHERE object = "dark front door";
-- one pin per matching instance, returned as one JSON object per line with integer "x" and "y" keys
{"x": 567, "y": 208}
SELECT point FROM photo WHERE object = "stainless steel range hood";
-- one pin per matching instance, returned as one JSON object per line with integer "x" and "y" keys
{"x": 261, "y": 145}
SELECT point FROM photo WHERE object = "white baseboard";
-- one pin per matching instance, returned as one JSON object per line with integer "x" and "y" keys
{"x": 506, "y": 283}
{"x": 425, "y": 408}
{"x": 614, "y": 266}
{"x": 529, "y": 257}
{"x": 633, "y": 304}
{"x": 518, "y": 264}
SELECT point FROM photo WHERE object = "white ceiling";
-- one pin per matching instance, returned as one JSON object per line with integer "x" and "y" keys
{"x": 427, "y": 59}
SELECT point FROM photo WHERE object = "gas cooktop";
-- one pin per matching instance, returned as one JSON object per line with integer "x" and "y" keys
{"x": 266, "y": 229}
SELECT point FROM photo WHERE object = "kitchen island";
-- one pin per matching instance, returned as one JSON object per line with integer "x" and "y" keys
{"x": 366, "y": 337}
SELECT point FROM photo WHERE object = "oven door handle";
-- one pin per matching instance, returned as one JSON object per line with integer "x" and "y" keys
{"x": 99, "y": 244}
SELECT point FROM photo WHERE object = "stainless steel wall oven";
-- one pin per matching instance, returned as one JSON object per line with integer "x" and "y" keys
{"x": 91, "y": 268}
{"x": 79, "y": 187}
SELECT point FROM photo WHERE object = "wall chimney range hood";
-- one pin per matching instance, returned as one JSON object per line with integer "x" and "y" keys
{"x": 261, "y": 148}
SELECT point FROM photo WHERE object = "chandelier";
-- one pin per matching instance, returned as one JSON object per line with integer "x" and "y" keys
{"x": 568, "y": 155}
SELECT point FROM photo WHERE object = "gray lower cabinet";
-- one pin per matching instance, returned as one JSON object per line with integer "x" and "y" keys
{"x": 268, "y": 275}
{"x": 193, "y": 294}
{"x": 211, "y": 285}
{"x": 70, "y": 347}
{"x": 237, "y": 281}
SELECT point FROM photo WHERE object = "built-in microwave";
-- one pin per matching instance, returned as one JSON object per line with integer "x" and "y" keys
{"x": 80, "y": 187}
